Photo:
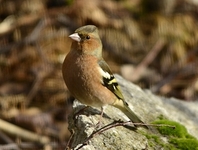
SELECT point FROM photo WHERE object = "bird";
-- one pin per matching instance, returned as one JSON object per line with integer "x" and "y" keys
{"x": 89, "y": 78}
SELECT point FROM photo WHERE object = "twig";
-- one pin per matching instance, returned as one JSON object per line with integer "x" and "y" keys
{"x": 8, "y": 140}
{"x": 69, "y": 141}
{"x": 12, "y": 129}
{"x": 34, "y": 36}
{"x": 148, "y": 59}
{"x": 155, "y": 125}
{"x": 44, "y": 70}
{"x": 12, "y": 146}
{"x": 176, "y": 70}
{"x": 116, "y": 124}
{"x": 33, "y": 90}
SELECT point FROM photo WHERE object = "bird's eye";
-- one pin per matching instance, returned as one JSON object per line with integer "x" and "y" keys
{"x": 87, "y": 37}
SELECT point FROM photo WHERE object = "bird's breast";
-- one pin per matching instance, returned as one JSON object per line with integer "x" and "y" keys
{"x": 82, "y": 77}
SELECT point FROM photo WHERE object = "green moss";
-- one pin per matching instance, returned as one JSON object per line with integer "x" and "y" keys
{"x": 178, "y": 130}
{"x": 185, "y": 144}
{"x": 178, "y": 137}
{"x": 161, "y": 117}
{"x": 152, "y": 139}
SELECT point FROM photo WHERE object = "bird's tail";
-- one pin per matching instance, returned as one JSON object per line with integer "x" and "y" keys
{"x": 123, "y": 106}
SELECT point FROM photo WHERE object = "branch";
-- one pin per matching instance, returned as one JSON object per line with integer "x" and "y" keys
{"x": 14, "y": 130}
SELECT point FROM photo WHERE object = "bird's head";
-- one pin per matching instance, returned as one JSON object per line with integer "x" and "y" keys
{"x": 88, "y": 40}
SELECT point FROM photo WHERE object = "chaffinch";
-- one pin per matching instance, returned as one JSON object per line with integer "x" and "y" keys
{"x": 88, "y": 77}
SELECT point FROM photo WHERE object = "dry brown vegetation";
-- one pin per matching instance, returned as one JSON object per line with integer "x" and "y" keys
{"x": 154, "y": 45}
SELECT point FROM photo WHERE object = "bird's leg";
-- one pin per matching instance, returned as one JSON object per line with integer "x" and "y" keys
{"x": 100, "y": 119}
{"x": 101, "y": 115}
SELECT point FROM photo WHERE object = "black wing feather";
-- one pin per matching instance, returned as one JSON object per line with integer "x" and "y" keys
{"x": 111, "y": 82}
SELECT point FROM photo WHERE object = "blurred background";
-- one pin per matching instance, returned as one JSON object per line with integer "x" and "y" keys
{"x": 153, "y": 44}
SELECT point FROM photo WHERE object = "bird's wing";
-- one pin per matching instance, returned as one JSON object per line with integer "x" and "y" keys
{"x": 109, "y": 80}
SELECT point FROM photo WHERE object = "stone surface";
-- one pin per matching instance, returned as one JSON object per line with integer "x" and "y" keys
{"x": 145, "y": 104}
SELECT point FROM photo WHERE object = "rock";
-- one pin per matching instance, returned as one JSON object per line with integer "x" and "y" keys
{"x": 146, "y": 105}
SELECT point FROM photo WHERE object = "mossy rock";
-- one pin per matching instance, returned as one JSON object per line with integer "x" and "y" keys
{"x": 185, "y": 144}
{"x": 177, "y": 130}
{"x": 177, "y": 135}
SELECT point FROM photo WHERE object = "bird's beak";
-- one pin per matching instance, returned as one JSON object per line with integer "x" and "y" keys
{"x": 75, "y": 37}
